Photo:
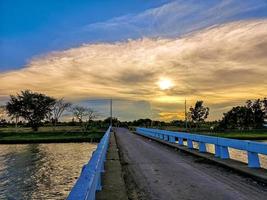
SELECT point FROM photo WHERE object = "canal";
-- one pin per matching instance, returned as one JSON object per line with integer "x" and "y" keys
{"x": 41, "y": 171}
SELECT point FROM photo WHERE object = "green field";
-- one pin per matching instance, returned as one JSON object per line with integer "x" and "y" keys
{"x": 49, "y": 134}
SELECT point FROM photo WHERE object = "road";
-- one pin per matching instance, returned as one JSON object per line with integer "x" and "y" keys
{"x": 162, "y": 173}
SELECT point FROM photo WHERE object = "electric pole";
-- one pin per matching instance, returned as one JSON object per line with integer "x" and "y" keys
{"x": 185, "y": 114}
{"x": 111, "y": 112}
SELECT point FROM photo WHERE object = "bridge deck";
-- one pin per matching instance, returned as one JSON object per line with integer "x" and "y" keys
{"x": 162, "y": 173}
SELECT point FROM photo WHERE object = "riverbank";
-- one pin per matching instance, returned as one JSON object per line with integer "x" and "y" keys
{"x": 49, "y": 137}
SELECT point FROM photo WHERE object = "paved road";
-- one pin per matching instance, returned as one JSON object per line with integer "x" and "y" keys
{"x": 163, "y": 173}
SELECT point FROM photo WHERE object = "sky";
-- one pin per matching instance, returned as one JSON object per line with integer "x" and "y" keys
{"x": 147, "y": 55}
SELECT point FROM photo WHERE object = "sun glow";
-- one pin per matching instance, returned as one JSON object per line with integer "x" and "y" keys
{"x": 165, "y": 84}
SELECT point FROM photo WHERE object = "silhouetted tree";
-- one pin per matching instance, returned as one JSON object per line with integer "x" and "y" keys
{"x": 245, "y": 117}
{"x": 84, "y": 114}
{"x": 142, "y": 122}
{"x": 57, "y": 110}
{"x": 79, "y": 112}
{"x": 264, "y": 109}
{"x": 115, "y": 121}
{"x": 31, "y": 106}
{"x": 199, "y": 113}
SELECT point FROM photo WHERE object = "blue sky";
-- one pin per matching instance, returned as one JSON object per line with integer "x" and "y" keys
{"x": 211, "y": 50}
{"x": 29, "y": 28}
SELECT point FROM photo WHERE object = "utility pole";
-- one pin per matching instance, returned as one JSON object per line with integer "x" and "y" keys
{"x": 110, "y": 112}
{"x": 185, "y": 114}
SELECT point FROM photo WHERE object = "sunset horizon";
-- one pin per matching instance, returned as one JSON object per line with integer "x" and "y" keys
{"x": 145, "y": 56}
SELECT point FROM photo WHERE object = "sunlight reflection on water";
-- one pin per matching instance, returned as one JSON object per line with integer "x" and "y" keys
{"x": 41, "y": 171}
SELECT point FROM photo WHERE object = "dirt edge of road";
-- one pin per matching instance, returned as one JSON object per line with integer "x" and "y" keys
{"x": 132, "y": 189}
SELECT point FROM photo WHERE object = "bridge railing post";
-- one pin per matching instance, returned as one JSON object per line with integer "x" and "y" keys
{"x": 190, "y": 144}
{"x": 172, "y": 139}
{"x": 224, "y": 152}
{"x": 217, "y": 150}
{"x": 202, "y": 147}
{"x": 180, "y": 141}
{"x": 165, "y": 137}
{"x": 253, "y": 160}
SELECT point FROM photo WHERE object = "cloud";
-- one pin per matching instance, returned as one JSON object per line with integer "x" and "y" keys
{"x": 222, "y": 64}
{"x": 172, "y": 19}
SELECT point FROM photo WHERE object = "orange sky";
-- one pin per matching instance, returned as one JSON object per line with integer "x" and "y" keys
{"x": 223, "y": 65}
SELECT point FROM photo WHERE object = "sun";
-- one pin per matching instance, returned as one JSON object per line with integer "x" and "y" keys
{"x": 165, "y": 84}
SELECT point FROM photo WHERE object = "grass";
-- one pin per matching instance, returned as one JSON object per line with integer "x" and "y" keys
{"x": 49, "y": 135}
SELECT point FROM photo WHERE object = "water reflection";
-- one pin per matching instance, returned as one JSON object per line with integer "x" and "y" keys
{"x": 41, "y": 171}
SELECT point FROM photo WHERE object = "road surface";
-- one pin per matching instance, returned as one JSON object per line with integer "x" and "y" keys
{"x": 162, "y": 173}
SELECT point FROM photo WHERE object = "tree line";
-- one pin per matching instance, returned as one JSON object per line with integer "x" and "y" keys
{"x": 35, "y": 107}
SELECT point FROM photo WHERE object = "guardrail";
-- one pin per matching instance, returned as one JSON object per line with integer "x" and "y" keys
{"x": 90, "y": 179}
{"x": 221, "y": 144}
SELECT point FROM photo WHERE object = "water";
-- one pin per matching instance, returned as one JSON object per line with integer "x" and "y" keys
{"x": 41, "y": 171}
{"x": 48, "y": 171}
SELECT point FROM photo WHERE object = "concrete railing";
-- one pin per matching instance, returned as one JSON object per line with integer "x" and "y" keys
{"x": 90, "y": 179}
{"x": 221, "y": 144}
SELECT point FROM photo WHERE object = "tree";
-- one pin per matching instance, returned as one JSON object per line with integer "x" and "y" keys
{"x": 57, "y": 110}
{"x": 199, "y": 113}
{"x": 251, "y": 115}
{"x": 264, "y": 109}
{"x": 31, "y": 106}
{"x": 115, "y": 121}
{"x": 79, "y": 112}
{"x": 256, "y": 109}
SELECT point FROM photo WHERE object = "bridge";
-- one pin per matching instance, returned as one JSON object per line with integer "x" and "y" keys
{"x": 158, "y": 164}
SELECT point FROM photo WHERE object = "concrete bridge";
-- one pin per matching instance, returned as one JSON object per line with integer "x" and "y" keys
{"x": 155, "y": 164}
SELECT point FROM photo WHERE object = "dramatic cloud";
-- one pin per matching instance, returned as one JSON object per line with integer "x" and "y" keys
{"x": 223, "y": 65}
{"x": 171, "y": 19}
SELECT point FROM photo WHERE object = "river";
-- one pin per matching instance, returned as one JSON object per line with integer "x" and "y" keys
{"x": 41, "y": 171}
{"x": 48, "y": 171}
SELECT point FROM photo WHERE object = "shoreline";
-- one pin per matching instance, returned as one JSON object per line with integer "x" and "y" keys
{"x": 48, "y": 140}
{"x": 50, "y": 137}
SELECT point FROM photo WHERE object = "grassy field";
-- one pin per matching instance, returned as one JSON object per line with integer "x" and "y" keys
{"x": 49, "y": 134}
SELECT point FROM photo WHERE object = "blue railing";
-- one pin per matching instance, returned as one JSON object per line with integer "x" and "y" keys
{"x": 221, "y": 144}
{"x": 90, "y": 179}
